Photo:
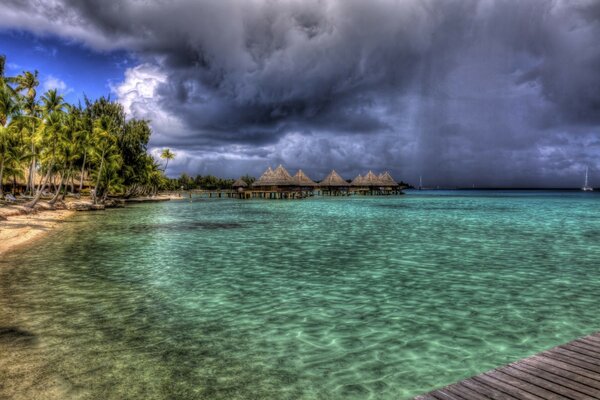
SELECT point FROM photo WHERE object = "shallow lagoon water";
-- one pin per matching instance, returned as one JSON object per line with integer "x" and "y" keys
{"x": 325, "y": 298}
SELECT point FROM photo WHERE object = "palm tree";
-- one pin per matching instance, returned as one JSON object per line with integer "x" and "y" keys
{"x": 166, "y": 154}
{"x": 50, "y": 132}
{"x": 2, "y": 64}
{"x": 52, "y": 102}
{"x": 5, "y": 80}
{"x": 62, "y": 141}
{"x": 104, "y": 149}
{"x": 9, "y": 107}
{"x": 84, "y": 141}
{"x": 67, "y": 149}
{"x": 28, "y": 82}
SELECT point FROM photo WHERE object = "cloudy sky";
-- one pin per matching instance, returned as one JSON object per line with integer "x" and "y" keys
{"x": 462, "y": 92}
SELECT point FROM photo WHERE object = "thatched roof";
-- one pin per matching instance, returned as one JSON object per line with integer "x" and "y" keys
{"x": 301, "y": 179}
{"x": 332, "y": 180}
{"x": 277, "y": 177}
{"x": 358, "y": 181}
{"x": 265, "y": 177}
{"x": 239, "y": 183}
{"x": 370, "y": 179}
{"x": 387, "y": 180}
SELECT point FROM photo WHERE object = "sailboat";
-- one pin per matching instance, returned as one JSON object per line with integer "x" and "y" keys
{"x": 586, "y": 187}
{"x": 420, "y": 183}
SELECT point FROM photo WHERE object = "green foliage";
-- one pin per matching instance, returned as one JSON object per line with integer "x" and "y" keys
{"x": 248, "y": 179}
{"x": 94, "y": 143}
{"x": 208, "y": 182}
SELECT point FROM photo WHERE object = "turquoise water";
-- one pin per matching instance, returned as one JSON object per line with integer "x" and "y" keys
{"x": 339, "y": 298}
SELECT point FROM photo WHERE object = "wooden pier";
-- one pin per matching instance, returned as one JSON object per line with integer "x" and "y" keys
{"x": 283, "y": 194}
{"x": 570, "y": 371}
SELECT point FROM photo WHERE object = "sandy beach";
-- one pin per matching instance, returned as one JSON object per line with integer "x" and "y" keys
{"x": 20, "y": 230}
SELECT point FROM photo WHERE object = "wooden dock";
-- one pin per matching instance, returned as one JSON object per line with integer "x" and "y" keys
{"x": 570, "y": 371}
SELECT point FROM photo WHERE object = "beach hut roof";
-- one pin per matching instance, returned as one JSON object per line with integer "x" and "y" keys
{"x": 282, "y": 177}
{"x": 301, "y": 179}
{"x": 387, "y": 179}
{"x": 266, "y": 176}
{"x": 370, "y": 179}
{"x": 358, "y": 181}
{"x": 277, "y": 177}
{"x": 333, "y": 179}
{"x": 239, "y": 183}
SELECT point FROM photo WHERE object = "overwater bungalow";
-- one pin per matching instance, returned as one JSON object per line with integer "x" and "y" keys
{"x": 372, "y": 184}
{"x": 274, "y": 184}
{"x": 389, "y": 185}
{"x": 358, "y": 185}
{"x": 304, "y": 185}
{"x": 279, "y": 184}
{"x": 239, "y": 185}
{"x": 334, "y": 185}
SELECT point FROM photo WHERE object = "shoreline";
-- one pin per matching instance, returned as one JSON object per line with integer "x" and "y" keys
{"x": 20, "y": 230}
{"x": 20, "y": 227}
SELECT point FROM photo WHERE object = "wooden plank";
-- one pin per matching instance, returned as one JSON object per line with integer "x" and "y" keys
{"x": 523, "y": 385}
{"x": 595, "y": 336}
{"x": 563, "y": 378}
{"x": 581, "y": 350}
{"x": 443, "y": 394}
{"x": 465, "y": 392}
{"x": 573, "y": 361}
{"x": 507, "y": 385}
{"x": 586, "y": 346}
{"x": 574, "y": 346}
{"x": 485, "y": 390}
{"x": 556, "y": 367}
{"x": 573, "y": 354}
{"x": 590, "y": 342}
{"x": 540, "y": 386}
{"x": 570, "y": 371}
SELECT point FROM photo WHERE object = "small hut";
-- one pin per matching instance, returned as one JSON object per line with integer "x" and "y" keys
{"x": 239, "y": 185}
{"x": 387, "y": 179}
{"x": 371, "y": 180}
{"x": 389, "y": 184}
{"x": 304, "y": 184}
{"x": 264, "y": 179}
{"x": 334, "y": 185}
{"x": 358, "y": 185}
{"x": 277, "y": 183}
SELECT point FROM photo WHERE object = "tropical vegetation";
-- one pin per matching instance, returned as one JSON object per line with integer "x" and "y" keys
{"x": 49, "y": 147}
{"x": 208, "y": 182}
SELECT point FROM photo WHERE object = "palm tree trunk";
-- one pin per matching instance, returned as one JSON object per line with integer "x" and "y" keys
{"x": 82, "y": 170}
{"x": 30, "y": 180}
{"x": 69, "y": 176}
{"x": 55, "y": 197}
{"x": 40, "y": 189}
{"x": 98, "y": 180}
{"x": 1, "y": 172}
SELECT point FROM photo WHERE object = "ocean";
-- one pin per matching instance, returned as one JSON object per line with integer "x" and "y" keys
{"x": 322, "y": 298}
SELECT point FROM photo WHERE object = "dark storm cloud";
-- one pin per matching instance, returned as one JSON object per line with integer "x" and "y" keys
{"x": 463, "y": 91}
